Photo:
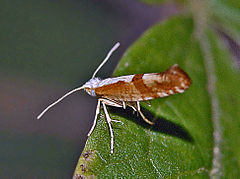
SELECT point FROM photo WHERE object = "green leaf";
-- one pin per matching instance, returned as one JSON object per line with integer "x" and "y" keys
{"x": 228, "y": 97}
{"x": 226, "y": 14}
{"x": 181, "y": 142}
{"x": 153, "y": 1}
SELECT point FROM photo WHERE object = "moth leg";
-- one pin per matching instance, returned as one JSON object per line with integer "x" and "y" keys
{"x": 130, "y": 104}
{"x": 109, "y": 120}
{"x": 113, "y": 120}
{"x": 140, "y": 112}
{"x": 112, "y": 103}
{"x": 96, "y": 116}
{"x": 138, "y": 106}
{"x": 124, "y": 105}
{"x": 109, "y": 125}
{"x": 145, "y": 119}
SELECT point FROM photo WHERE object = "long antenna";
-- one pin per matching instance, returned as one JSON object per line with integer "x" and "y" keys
{"x": 106, "y": 58}
{"x": 80, "y": 88}
{"x": 60, "y": 99}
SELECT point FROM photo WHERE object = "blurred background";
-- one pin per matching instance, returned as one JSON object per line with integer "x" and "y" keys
{"x": 47, "y": 48}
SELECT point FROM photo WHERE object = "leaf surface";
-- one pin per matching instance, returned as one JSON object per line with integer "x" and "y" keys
{"x": 226, "y": 15}
{"x": 181, "y": 142}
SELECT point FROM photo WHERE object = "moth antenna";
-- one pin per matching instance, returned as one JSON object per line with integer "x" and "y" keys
{"x": 60, "y": 99}
{"x": 106, "y": 58}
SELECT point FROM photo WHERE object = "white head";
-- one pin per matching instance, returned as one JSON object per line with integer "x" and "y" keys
{"x": 92, "y": 83}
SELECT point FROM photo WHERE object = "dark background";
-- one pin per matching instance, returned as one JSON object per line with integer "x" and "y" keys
{"x": 47, "y": 48}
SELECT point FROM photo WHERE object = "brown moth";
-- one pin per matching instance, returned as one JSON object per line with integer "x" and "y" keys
{"x": 130, "y": 90}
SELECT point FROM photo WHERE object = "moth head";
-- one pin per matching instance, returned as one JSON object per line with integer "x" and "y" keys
{"x": 90, "y": 86}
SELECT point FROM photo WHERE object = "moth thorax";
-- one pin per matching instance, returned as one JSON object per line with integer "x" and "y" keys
{"x": 91, "y": 85}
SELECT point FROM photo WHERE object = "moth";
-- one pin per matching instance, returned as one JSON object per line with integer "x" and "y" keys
{"x": 129, "y": 90}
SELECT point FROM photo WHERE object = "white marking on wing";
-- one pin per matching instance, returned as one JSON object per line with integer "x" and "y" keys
{"x": 148, "y": 98}
{"x": 149, "y": 76}
{"x": 171, "y": 92}
{"x": 179, "y": 90}
{"x": 183, "y": 85}
{"x": 152, "y": 77}
{"x": 109, "y": 81}
{"x": 162, "y": 94}
{"x": 165, "y": 94}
